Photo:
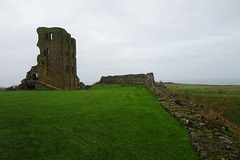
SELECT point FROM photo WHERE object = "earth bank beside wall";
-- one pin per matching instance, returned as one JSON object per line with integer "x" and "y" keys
{"x": 207, "y": 141}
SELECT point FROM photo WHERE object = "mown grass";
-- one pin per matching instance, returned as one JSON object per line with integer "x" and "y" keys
{"x": 221, "y": 103}
{"x": 105, "y": 122}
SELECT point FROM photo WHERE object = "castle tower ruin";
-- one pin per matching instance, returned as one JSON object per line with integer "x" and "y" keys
{"x": 56, "y": 64}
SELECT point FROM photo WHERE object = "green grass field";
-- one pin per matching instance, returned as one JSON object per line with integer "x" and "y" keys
{"x": 104, "y": 122}
{"x": 223, "y": 100}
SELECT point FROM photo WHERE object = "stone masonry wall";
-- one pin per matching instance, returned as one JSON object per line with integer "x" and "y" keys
{"x": 207, "y": 140}
{"x": 146, "y": 79}
{"x": 56, "y": 63}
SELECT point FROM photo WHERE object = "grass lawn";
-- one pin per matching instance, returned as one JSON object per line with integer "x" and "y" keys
{"x": 223, "y": 100}
{"x": 104, "y": 122}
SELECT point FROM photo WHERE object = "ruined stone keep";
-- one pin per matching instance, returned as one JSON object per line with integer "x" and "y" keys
{"x": 56, "y": 64}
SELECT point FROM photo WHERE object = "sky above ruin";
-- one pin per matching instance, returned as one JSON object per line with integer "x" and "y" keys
{"x": 185, "y": 41}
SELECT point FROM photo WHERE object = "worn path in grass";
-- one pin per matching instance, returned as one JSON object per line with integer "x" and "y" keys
{"x": 105, "y": 122}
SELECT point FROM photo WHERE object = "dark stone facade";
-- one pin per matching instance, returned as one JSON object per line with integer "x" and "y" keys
{"x": 56, "y": 63}
{"x": 146, "y": 79}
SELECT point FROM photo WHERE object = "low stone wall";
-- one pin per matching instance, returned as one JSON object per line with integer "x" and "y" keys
{"x": 146, "y": 79}
{"x": 44, "y": 86}
{"x": 35, "y": 85}
{"x": 207, "y": 140}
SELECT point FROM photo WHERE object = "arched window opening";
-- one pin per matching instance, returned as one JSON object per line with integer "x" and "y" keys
{"x": 34, "y": 77}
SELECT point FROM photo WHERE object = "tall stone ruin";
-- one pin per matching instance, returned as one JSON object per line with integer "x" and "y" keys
{"x": 56, "y": 64}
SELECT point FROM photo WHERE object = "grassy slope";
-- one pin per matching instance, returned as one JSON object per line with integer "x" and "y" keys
{"x": 105, "y": 122}
{"x": 225, "y": 100}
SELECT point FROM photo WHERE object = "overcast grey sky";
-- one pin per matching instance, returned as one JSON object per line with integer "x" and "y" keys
{"x": 189, "y": 41}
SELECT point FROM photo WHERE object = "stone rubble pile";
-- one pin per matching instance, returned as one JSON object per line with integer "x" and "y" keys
{"x": 207, "y": 141}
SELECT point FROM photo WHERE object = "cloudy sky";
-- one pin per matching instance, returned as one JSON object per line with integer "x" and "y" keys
{"x": 188, "y": 41}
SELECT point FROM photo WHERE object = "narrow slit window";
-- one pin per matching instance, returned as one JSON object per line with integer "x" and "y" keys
{"x": 50, "y": 36}
{"x": 67, "y": 68}
{"x": 46, "y": 52}
{"x": 46, "y": 35}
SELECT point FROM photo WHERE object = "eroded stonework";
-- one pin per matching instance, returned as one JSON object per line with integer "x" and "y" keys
{"x": 56, "y": 64}
{"x": 146, "y": 79}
